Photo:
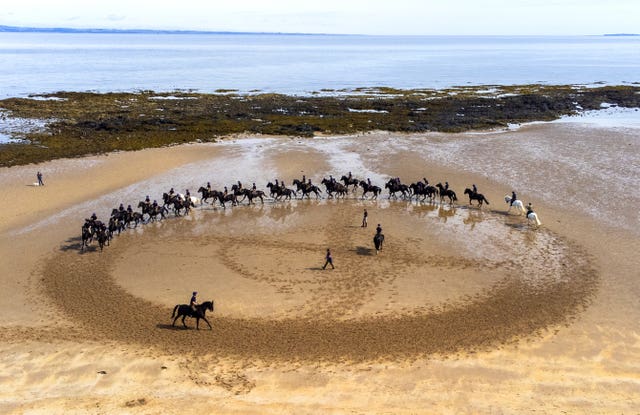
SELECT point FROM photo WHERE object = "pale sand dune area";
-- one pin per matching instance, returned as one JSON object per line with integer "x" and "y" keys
{"x": 464, "y": 310}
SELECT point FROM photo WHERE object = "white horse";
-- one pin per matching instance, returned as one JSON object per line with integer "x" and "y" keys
{"x": 533, "y": 219}
{"x": 516, "y": 204}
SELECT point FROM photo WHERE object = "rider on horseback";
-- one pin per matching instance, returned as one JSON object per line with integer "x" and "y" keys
{"x": 194, "y": 301}
{"x": 208, "y": 186}
{"x": 171, "y": 192}
{"x": 513, "y": 198}
{"x": 529, "y": 209}
{"x": 378, "y": 229}
{"x": 147, "y": 201}
{"x": 475, "y": 189}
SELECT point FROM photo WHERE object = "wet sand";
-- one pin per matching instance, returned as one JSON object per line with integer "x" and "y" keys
{"x": 464, "y": 310}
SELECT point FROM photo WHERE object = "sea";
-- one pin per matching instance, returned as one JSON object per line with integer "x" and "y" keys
{"x": 38, "y": 63}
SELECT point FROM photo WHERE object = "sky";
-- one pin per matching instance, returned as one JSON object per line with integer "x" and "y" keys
{"x": 373, "y": 17}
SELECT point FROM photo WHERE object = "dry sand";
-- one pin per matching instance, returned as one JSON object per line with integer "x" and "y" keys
{"x": 464, "y": 310}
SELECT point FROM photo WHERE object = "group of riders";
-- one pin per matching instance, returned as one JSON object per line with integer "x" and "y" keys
{"x": 122, "y": 218}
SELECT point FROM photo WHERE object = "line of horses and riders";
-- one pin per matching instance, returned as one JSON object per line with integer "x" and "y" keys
{"x": 122, "y": 218}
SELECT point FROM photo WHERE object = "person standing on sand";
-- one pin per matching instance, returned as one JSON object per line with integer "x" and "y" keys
{"x": 329, "y": 260}
{"x": 39, "y": 176}
{"x": 364, "y": 218}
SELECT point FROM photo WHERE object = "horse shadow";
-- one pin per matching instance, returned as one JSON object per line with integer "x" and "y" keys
{"x": 363, "y": 250}
{"x": 173, "y": 328}
{"x": 75, "y": 244}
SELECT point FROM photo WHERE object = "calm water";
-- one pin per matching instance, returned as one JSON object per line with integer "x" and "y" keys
{"x": 299, "y": 64}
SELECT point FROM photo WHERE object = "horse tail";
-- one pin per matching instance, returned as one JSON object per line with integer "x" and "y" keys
{"x": 485, "y": 200}
{"x": 174, "y": 311}
{"x": 453, "y": 194}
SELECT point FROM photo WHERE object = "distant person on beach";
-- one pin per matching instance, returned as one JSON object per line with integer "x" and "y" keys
{"x": 39, "y": 176}
{"x": 329, "y": 260}
{"x": 364, "y": 218}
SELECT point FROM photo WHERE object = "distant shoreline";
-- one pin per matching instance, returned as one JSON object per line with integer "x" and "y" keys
{"x": 19, "y": 29}
{"x": 29, "y": 29}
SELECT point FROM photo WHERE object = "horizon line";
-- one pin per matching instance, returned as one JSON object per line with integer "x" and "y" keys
{"x": 96, "y": 30}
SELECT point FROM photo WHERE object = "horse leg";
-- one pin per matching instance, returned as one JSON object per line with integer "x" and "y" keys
{"x": 207, "y": 321}
{"x": 183, "y": 323}
{"x": 197, "y": 323}
{"x": 174, "y": 320}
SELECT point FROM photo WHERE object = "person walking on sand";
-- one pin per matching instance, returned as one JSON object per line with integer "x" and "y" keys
{"x": 364, "y": 218}
{"x": 329, "y": 260}
{"x": 39, "y": 176}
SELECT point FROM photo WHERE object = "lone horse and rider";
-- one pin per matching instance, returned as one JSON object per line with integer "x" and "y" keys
{"x": 193, "y": 310}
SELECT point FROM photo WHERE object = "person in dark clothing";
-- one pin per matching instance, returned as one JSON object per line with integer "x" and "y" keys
{"x": 475, "y": 189}
{"x": 378, "y": 229}
{"x": 39, "y": 176}
{"x": 194, "y": 301}
{"x": 513, "y": 198}
{"x": 329, "y": 260}
{"x": 364, "y": 218}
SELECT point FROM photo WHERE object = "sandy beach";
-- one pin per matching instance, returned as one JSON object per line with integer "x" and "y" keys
{"x": 465, "y": 310}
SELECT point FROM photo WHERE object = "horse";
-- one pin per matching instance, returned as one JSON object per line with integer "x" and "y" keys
{"x": 87, "y": 236}
{"x": 306, "y": 189}
{"x": 424, "y": 190}
{"x": 229, "y": 197}
{"x": 206, "y": 194}
{"x": 279, "y": 191}
{"x": 185, "y": 311}
{"x": 103, "y": 238}
{"x": 350, "y": 182}
{"x": 366, "y": 188}
{"x": 395, "y": 187}
{"x": 516, "y": 203}
{"x": 378, "y": 240}
{"x": 333, "y": 186}
{"x": 446, "y": 193}
{"x": 152, "y": 211}
{"x": 168, "y": 199}
{"x": 532, "y": 217}
{"x": 135, "y": 217}
{"x": 476, "y": 196}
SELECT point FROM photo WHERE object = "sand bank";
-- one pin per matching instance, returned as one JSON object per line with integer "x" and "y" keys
{"x": 464, "y": 310}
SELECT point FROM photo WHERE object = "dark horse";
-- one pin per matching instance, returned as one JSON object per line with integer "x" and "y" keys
{"x": 476, "y": 196}
{"x": 185, "y": 311}
{"x": 366, "y": 188}
{"x": 446, "y": 193}
{"x": 378, "y": 240}
{"x": 350, "y": 181}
